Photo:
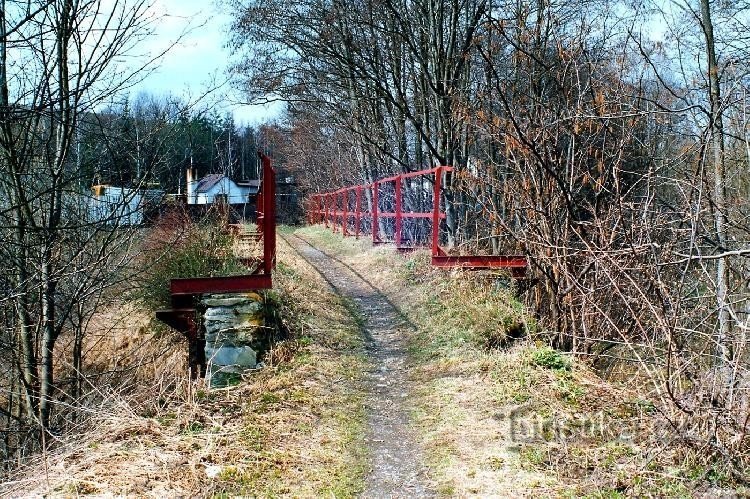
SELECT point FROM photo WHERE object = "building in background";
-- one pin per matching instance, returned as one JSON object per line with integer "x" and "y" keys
{"x": 123, "y": 205}
{"x": 218, "y": 188}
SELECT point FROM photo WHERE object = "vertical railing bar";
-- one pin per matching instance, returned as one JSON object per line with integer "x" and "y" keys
{"x": 358, "y": 208}
{"x": 325, "y": 205}
{"x": 345, "y": 214}
{"x": 340, "y": 196}
{"x": 436, "y": 212}
{"x": 397, "y": 191}
{"x": 335, "y": 208}
{"x": 375, "y": 201}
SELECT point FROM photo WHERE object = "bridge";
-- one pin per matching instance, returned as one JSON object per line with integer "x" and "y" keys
{"x": 393, "y": 203}
{"x": 185, "y": 292}
{"x": 404, "y": 210}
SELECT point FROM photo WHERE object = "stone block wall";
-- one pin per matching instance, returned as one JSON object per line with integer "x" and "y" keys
{"x": 237, "y": 333}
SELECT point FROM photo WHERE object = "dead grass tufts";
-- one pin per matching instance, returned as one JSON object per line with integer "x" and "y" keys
{"x": 504, "y": 418}
{"x": 295, "y": 428}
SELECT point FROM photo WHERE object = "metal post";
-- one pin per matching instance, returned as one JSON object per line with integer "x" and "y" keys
{"x": 345, "y": 214}
{"x": 436, "y": 212}
{"x": 357, "y": 209}
{"x": 397, "y": 189}
{"x": 375, "y": 237}
{"x": 334, "y": 209}
{"x": 269, "y": 215}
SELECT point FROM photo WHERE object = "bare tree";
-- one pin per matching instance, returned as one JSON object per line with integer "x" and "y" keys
{"x": 59, "y": 61}
{"x": 618, "y": 164}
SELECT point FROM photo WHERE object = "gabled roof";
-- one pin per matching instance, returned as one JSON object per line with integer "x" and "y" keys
{"x": 208, "y": 181}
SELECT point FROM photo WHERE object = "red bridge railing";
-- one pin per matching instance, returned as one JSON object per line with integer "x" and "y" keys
{"x": 185, "y": 292}
{"x": 383, "y": 208}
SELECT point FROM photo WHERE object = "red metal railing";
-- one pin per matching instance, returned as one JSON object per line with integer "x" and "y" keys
{"x": 185, "y": 292}
{"x": 390, "y": 207}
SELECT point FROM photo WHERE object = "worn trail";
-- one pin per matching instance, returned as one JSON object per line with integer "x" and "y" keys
{"x": 397, "y": 469}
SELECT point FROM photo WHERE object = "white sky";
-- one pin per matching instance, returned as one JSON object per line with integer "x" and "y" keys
{"x": 199, "y": 61}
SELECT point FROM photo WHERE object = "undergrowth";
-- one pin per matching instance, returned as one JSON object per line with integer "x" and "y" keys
{"x": 294, "y": 428}
{"x": 177, "y": 247}
{"x": 501, "y": 412}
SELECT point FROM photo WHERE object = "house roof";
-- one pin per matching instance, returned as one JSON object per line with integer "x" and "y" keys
{"x": 208, "y": 181}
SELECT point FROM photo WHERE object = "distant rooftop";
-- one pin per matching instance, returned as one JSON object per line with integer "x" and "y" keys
{"x": 208, "y": 181}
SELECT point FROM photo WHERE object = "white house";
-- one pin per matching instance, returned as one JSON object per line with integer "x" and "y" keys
{"x": 215, "y": 187}
{"x": 122, "y": 205}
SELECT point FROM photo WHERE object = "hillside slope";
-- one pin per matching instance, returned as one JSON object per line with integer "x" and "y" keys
{"x": 293, "y": 428}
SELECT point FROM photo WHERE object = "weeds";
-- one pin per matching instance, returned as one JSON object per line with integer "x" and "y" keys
{"x": 533, "y": 457}
{"x": 295, "y": 428}
{"x": 587, "y": 435}
{"x": 550, "y": 359}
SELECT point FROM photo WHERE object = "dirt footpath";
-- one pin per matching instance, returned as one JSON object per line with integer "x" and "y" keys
{"x": 397, "y": 469}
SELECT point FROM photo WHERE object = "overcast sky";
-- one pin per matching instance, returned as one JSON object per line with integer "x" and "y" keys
{"x": 199, "y": 61}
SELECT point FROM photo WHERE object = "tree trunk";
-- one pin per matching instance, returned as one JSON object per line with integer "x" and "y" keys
{"x": 719, "y": 188}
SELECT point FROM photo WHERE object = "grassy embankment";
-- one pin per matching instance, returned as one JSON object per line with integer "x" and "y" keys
{"x": 294, "y": 428}
{"x": 507, "y": 418}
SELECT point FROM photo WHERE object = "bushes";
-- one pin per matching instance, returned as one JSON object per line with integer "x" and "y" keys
{"x": 551, "y": 359}
{"x": 177, "y": 247}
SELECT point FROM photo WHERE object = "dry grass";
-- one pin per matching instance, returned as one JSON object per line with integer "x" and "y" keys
{"x": 521, "y": 420}
{"x": 518, "y": 421}
{"x": 295, "y": 428}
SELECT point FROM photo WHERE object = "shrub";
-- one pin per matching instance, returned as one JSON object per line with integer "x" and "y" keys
{"x": 176, "y": 247}
{"x": 551, "y": 359}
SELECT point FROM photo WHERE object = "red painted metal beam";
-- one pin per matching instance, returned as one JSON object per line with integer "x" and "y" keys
{"x": 345, "y": 214}
{"x": 408, "y": 214}
{"x": 268, "y": 185}
{"x": 387, "y": 214}
{"x": 358, "y": 210}
{"x": 416, "y": 174}
{"x": 479, "y": 261}
{"x": 516, "y": 264}
{"x": 182, "y": 315}
{"x": 436, "y": 214}
{"x": 397, "y": 189}
{"x": 183, "y": 321}
{"x": 375, "y": 207}
{"x": 335, "y": 202}
{"x": 223, "y": 284}
{"x": 325, "y": 203}
{"x": 430, "y": 171}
